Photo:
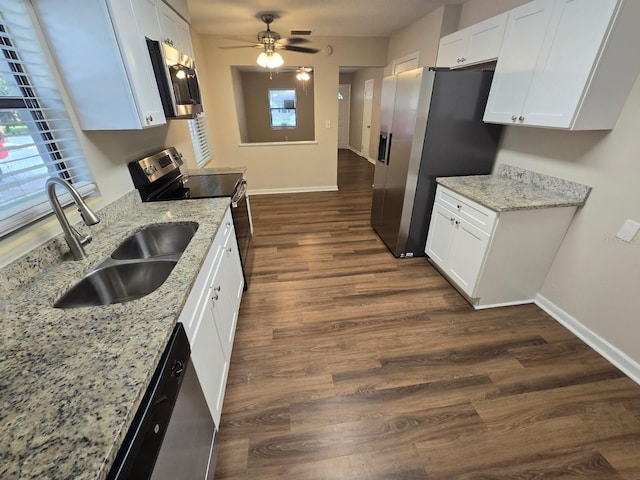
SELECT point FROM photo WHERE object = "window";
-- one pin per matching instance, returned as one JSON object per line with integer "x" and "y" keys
{"x": 282, "y": 105}
{"x": 37, "y": 139}
{"x": 200, "y": 139}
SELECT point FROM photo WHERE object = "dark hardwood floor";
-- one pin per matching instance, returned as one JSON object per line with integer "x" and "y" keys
{"x": 351, "y": 364}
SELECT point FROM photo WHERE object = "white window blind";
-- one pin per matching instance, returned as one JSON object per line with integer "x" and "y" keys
{"x": 200, "y": 139}
{"x": 37, "y": 138}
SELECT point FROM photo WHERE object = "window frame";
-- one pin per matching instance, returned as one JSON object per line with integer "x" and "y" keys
{"x": 283, "y": 109}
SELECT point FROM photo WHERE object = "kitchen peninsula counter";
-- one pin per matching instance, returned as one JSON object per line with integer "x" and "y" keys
{"x": 71, "y": 380}
{"x": 513, "y": 188}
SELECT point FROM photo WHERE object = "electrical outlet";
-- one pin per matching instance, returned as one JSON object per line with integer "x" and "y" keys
{"x": 628, "y": 230}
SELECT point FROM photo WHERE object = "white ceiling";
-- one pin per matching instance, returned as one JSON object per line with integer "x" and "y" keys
{"x": 359, "y": 18}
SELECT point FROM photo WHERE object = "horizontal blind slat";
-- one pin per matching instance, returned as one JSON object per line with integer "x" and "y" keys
{"x": 39, "y": 139}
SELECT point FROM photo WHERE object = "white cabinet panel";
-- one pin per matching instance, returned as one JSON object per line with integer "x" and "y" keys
{"x": 148, "y": 22}
{"x": 227, "y": 288}
{"x": 523, "y": 38}
{"x": 467, "y": 252}
{"x": 452, "y": 49}
{"x": 209, "y": 362}
{"x": 104, "y": 62}
{"x": 441, "y": 230}
{"x": 472, "y": 45}
{"x": 566, "y": 61}
{"x": 175, "y": 30}
{"x": 566, "y": 64}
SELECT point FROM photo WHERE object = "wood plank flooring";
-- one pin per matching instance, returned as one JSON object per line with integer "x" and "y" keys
{"x": 351, "y": 364}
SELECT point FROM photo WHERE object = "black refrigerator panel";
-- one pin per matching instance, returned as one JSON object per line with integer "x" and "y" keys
{"x": 457, "y": 142}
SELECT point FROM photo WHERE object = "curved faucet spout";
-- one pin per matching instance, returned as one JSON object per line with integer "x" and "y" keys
{"x": 74, "y": 239}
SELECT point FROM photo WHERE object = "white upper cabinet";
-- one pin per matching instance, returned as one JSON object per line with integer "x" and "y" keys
{"x": 175, "y": 30}
{"x": 104, "y": 62}
{"x": 475, "y": 44}
{"x": 567, "y": 64}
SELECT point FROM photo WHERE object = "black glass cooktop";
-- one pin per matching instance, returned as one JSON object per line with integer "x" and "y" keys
{"x": 202, "y": 186}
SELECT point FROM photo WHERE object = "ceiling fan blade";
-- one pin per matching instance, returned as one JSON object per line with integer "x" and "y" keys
{"x": 226, "y": 47}
{"x": 240, "y": 39}
{"x": 295, "y": 40}
{"x": 294, "y": 48}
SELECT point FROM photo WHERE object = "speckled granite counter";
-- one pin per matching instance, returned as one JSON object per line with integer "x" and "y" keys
{"x": 517, "y": 189}
{"x": 71, "y": 380}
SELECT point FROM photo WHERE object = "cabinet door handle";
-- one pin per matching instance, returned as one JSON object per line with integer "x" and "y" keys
{"x": 457, "y": 222}
{"x": 215, "y": 295}
{"x": 513, "y": 118}
{"x": 459, "y": 206}
{"x": 521, "y": 118}
{"x": 149, "y": 119}
{"x": 462, "y": 60}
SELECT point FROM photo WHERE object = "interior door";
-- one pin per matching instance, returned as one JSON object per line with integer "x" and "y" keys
{"x": 344, "y": 101}
{"x": 366, "y": 118}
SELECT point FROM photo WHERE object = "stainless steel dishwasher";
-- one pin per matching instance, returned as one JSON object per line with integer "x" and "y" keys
{"x": 172, "y": 435}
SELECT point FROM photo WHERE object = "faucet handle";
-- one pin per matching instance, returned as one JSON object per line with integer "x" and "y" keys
{"x": 82, "y": 238}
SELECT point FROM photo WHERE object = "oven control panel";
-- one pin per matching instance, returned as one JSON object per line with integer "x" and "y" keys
{"x": 149, "y": 169}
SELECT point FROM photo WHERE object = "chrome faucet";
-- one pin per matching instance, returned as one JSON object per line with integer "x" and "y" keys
{"x": 74, "y": 239}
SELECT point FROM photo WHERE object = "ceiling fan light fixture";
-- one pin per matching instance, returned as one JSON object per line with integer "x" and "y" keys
{"x": 270, "y": 60}
{"x": 303, "y": 76}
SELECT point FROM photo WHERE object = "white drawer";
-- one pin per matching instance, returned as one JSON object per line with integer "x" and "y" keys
{"x": 482, "y": 217}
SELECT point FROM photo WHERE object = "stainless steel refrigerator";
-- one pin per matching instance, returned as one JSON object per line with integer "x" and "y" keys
{"x": 430, "y": 126}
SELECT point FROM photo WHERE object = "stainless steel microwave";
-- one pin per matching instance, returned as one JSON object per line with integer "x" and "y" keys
{"x": 177, "y": 81}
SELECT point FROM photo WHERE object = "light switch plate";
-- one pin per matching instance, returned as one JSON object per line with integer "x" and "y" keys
{"x": 628, "y": 231}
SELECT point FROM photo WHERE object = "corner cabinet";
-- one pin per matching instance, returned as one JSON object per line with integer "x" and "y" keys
{"x": 494, "y": 258}
{"x": 210, "y": 315}
{"x": 101, "y": 53}
{"x": 478, "y": 43}
{"x": 567, "y": 64}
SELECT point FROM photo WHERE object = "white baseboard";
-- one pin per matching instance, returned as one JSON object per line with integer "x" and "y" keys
{"x": 275, "y": 191}
{"x": 369, "y": 159}
{"x": 629, "y": 367}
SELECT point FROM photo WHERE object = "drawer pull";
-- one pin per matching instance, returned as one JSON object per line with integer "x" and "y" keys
{"x": 215, "y": 295}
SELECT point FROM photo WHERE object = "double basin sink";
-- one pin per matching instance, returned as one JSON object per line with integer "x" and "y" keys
{"x": 137, "y": 267}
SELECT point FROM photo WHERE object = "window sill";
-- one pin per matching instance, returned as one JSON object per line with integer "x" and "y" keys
{"x": 278, "y": 144}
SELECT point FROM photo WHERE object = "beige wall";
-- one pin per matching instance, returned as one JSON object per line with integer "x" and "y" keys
{"x": 474, "y": 11}
{"x": 595, "y": 277}
{"x": 423, "y": 36}
{"x": 255, "y": 89}
{"x": 276, "y": 167}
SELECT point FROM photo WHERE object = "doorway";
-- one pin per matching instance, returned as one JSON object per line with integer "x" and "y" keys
{"x": 344, "y": 103}
{"x": 366, "y": 117}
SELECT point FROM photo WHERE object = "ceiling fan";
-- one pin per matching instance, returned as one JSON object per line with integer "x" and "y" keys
{"x": 269, "y": 41}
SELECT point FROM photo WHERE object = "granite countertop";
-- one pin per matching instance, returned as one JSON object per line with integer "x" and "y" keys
{"x": 71, "y": 380}
{"x": 514, "y": 188}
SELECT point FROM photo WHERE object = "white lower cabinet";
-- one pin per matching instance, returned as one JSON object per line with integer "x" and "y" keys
{"x": 210, "y": 315}
{"x": 494, "y": 258}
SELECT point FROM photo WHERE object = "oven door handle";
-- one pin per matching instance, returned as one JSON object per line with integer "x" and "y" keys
{"x": 240, "y": 193}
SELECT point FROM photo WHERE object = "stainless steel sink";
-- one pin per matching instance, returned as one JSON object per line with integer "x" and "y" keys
{"x": 156, "y": 240}
{"x": 117, "y": 283}
{"x": 137, "y": 267}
